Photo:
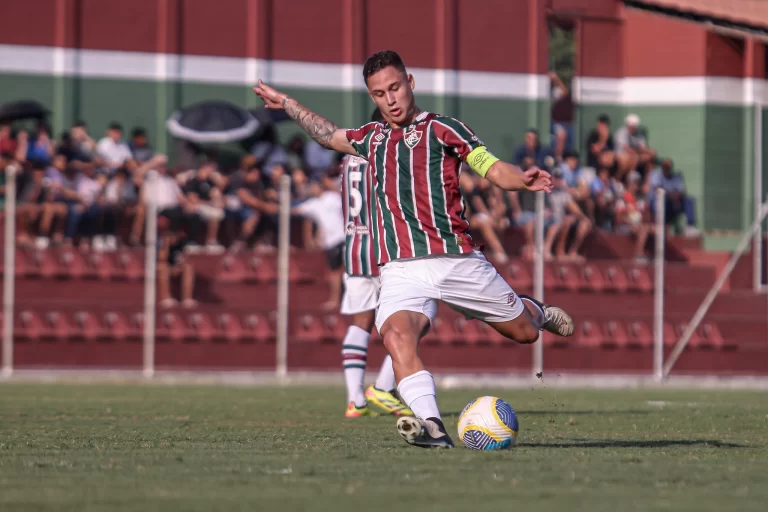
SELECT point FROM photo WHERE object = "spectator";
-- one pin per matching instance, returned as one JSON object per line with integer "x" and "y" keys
{"x": 268, "y": 152}
{"x": 486, "y": 212}
{"x": 32, "y": 202}
{"x": 171, "y": 263}
{"x": 319, "y": 160}
{"x": 633, "y": 217}
{"x": 205, "y": 201}
{"x": 139, "y": 146}
{"x": 567, "y": 214}
{"x": 531, "y": 148}
{"x": 168, "y": 198}
{"x": 40, "y": 148}
{"x": 83, "y": 147}
{"x": 296, "y": 148}
{"x": 562, "y": 117}
{"x": 677, "y": 201}
{"x": 119, "y": 198}
{"x": 600, "y": 145}
{"x": 577, "y": 179}
{"x": 8, "y": 144}
{"x": 632, "y": 149}
{"x": 325, "y": 209}
{"x": 604, "y": 194}
{"x": 251, "y": 207}
{"x": 89, "y": 217}
{"x": 113, "y": 148}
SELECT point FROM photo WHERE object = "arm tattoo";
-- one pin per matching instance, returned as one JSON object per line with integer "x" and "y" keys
{"x": 316, "y": 126}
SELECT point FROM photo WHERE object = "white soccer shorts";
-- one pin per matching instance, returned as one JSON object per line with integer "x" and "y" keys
{"x": 468, "y": 283}
{"x": 361, "y": 294}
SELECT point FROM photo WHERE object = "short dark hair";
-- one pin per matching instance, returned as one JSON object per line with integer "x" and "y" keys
{"x": 381, "y": 60}
{"x": 376, "y": 116}
{"x": 114, "y": 125}
{"x": 603, "y": 118}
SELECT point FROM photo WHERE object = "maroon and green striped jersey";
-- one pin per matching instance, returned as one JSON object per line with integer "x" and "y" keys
{"x": 417, "y": 204}
{"x": 356, "y": 191}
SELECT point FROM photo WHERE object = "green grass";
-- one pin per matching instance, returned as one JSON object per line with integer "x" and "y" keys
{"x": 119, "y": 448}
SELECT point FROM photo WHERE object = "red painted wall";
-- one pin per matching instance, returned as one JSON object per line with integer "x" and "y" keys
{"x": 483, "y": 35}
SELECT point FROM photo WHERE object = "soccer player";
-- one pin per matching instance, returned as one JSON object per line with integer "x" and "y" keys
{"x": 361, "y": 294}
{"x": 420, "y": 234}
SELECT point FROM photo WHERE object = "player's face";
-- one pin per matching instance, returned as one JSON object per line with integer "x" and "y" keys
{"x": 392, "y": 91}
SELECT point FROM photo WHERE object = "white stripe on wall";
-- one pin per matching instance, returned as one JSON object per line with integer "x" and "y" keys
{"x": 692, "y": 90}
{"x": 42, "y": 60}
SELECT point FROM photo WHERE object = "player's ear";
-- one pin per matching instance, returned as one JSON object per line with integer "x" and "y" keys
{"x": 411, "y": 81}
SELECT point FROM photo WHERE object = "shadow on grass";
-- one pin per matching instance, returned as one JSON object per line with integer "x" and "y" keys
{"x": 558, "y": 412}
{"x": 653, "y": 443}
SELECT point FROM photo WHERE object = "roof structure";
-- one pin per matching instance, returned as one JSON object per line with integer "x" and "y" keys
{"x": 743, "y": 15}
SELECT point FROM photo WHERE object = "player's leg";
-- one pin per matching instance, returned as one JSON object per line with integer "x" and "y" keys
{"x": 355, "y": 345}
{"x": 407, "y": 307}
{"x": 489, "y": 298}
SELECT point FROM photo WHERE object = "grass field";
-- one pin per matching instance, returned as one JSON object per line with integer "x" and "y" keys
{"x": 119, "y": 448}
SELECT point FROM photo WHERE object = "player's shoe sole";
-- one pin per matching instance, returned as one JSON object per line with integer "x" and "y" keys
{"x": 418, "y": 432}
{"x": 354, "y": 411}
{"x": 387, "y": 402}
{"x": 556, "y": 320}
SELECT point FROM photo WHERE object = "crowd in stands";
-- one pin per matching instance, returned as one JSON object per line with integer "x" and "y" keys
{"x": 79, "y": 190}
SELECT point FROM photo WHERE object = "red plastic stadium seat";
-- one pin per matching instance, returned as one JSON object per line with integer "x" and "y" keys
{"x": 85, "y": 326}
{"x": 40, "y": 264}
{"x": 136, "y": 326}
{"x": 614, "y": 334}
{"x": 169, "y": 326}
{"x": 114, "y": 326}
{"x": 231, "y": 269}
{"x": 432, "y": 337}
{"x": 590, "y": 279}
{"x": 228, "y": 327}
{"x": 70, "y": 264}
{"x": 589, "y": 334}
{"x": 518, "y": 276}
{"x": 640, "y": 280}
{"x": 308, "y": 329}
{"x": 467, "y": 332}
{"x": 29, "y": 325}
{"x": 56, "y": 325}
{"x": 561, "y": 277}
{"x": 97, "y": 266}
{"x": 127, "y": 265}
{"x": 197, "y": 327}
{"x": 615, "y": 279}
{"x": 670, "y": 334}
{"x": 256, "y": 327}
{"x": 711, "y": 336}
{"x": 640, "y": 334}
{"x": 335, "y": 328}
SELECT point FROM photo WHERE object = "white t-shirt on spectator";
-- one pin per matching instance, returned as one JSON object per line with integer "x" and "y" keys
{"x": 115, "y": 153}
{"x": 88, "y": 189}
{"x": 327, "y": 212}
{"x": 165, "y": 192}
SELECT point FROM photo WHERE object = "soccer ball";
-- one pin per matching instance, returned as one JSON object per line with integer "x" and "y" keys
{"x": 488, "y": 423}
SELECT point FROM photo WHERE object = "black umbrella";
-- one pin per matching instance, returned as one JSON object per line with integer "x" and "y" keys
{"x": 212, "y": 121}
{"x": 267, "y": 116}
{"x": 24, "y": 109}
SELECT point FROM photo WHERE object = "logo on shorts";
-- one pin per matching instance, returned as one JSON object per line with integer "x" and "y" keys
{"x": 512, "y": 299}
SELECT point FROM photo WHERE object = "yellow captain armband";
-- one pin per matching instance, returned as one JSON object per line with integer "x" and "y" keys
{"x": 480, "y": 160}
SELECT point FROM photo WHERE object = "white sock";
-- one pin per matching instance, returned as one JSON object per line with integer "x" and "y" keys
{"x": 418, "y": 392}
{"x": 355, "y": 354}
{"x": 386, "y": 379}
{"x": 536, "y": 312}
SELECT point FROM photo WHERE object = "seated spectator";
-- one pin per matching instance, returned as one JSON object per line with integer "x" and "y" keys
{"x": 89, "y": 215}
{"x": 171, "y": 263}
{"x": 139, "y": 145}
{"x": 40, "y": 147}
{"x": 113, "y": 149}
{"x": 632, "y": 149}
{"x": 677, "y": 201}
{"x": 604, "y": 195}
{"x": 600, "y": 144}
{"x": 249, "y": 205}
{"x": 63, "y": 177}
{"x": 318, "y": 159}
{"x": 633, "y": 216}
{"x": 8, "y": 144}
{"x": 577, "y": 179}
{"x": 567, "y": 214}
{"x": 296, "y": 148}
{"x": 325, "y": 209}
{"x": 119, "y": 199}
{"x": 34, "y": 205}
{"x": 169, "y": 199}
{"x": 83, "y": 147}
{"x": 562, "y": 117}
{"x": 205, "y": 200}
{"x": 486, "y": 212}
{"x": 531, "y": 148}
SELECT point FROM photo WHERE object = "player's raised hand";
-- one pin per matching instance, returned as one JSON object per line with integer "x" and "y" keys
{"x": 271, "y": 97}
{"x": 535, "y": 180}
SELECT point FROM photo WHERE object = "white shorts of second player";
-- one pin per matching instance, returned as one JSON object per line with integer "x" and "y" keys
{"x": 468, "y": 283}
{"x": 361, "y": 294}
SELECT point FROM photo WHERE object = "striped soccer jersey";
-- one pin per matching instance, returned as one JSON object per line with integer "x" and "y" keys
{"x": 417, "y": 204}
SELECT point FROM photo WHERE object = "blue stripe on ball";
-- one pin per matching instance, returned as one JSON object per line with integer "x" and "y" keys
{"x": 506, "y": 414}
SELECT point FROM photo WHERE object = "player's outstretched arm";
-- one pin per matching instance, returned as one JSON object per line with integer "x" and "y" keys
{"x": 325, "y": 132}
{"x": 512, "y": 177}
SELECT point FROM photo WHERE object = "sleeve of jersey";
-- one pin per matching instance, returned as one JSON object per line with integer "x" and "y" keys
{"x": 360, "y": 139}
{"x": 461, "y": 140}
